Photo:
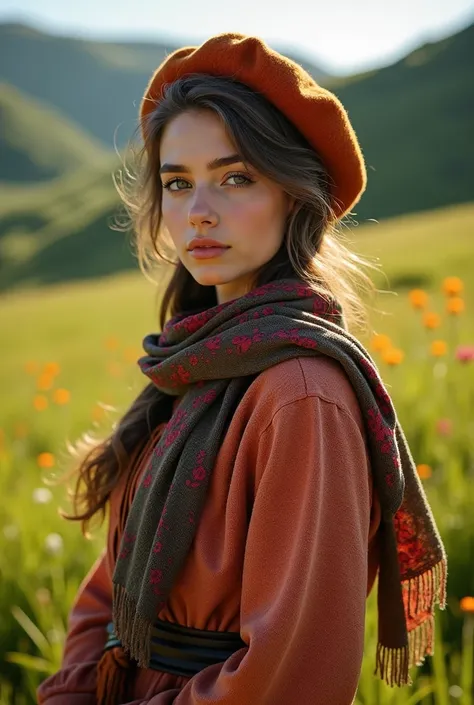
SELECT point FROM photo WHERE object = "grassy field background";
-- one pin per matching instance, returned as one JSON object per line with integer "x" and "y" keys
{"x": 84, "y": 339}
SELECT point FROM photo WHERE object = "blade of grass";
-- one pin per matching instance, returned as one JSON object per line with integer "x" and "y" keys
{"x": 31, "y": 629}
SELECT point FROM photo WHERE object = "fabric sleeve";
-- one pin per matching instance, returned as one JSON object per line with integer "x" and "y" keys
{"x": 75, "y": 682}
{"x": 305, "y": 568}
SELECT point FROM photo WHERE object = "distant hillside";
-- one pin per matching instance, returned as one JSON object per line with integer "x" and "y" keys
{"x": 97, "y": 84}
{"x": 415, "y": 122}
{"x": 413, "y": 119}
{"x": 37, "y": 143}
{"x": 60, "y": 230}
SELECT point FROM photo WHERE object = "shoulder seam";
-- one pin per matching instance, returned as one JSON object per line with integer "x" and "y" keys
{"x": 317, "y": 396}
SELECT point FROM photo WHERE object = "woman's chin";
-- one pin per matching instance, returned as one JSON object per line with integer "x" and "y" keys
{"x": 210, "y": 276}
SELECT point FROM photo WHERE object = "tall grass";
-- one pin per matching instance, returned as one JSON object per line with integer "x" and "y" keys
{"x": 68, "y": 365}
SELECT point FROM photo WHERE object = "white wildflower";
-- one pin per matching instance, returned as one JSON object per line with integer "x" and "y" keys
{"x": 455, "y": 691}
{"x": 53, "y": 543}
{"x": 41, "y": 495}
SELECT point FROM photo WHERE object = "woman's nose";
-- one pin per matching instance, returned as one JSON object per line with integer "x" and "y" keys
{"x": 200, "y": 211}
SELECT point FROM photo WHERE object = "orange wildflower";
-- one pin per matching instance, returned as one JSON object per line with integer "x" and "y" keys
{"x": 52, "y": 369}
{"x": 44, "y": 382}
{"x": 40, "y": 402}
{"x": 455, "y": 305}
{"x": 424, "y": 471}
{"x": 418, "y": 298}
{"x": 61, "y": 396}
{"x": 431, "y": 320}
{"x": 467, "y": 604}
{"x": 439, "y": 348}
{"x": 45, "y": 460}
{"x": 380, "y": 341}
{"x": 452, "y": 286}
{"x": 393, "y": 356}
{"x": 111, "y": 343}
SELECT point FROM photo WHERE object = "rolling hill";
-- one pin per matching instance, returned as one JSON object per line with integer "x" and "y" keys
{"x": 37, "y": 143}
{"x": 96, "y": 84}
{"x": 415, "y": 122}
{"x": 413, "y": 119}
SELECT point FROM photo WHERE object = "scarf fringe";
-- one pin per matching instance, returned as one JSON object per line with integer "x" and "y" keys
{"x": 133, "y": 630}
{"x": 424, "y": 591}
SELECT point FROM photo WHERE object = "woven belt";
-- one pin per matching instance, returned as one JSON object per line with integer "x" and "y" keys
{"x": 184, "y": 651}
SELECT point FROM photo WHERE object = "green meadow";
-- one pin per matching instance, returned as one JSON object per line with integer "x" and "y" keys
{"x": 69, "y": 367}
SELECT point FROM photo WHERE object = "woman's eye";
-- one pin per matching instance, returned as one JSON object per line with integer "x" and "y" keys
{"x": 246, "y": 181}
{"x": 240, "y": 176}
{"x": 174, "y": 181}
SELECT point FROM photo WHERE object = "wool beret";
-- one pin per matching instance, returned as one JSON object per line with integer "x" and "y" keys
{"x": 315, "y": 111}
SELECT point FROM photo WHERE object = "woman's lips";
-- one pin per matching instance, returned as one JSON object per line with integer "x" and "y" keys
{"x": 208, "y": 252}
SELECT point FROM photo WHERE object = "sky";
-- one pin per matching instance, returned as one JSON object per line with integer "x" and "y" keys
{"x": 343, "y": 36}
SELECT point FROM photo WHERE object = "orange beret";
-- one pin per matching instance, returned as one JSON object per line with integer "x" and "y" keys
{"x": 316, "y": 112}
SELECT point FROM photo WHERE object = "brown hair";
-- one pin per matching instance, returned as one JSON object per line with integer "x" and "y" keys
{"x": 312, "y": 250}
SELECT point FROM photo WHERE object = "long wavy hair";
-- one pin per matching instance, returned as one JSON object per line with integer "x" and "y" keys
{"x": 312, "y": 251}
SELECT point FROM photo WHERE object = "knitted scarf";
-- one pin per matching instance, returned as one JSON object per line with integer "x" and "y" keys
{"x": 208, "y": 357}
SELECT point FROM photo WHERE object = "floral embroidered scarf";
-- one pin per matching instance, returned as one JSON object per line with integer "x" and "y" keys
{"x": 208, "y": 357}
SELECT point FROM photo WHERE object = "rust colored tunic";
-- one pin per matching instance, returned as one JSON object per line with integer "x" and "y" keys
{"x": 286, "y": 552}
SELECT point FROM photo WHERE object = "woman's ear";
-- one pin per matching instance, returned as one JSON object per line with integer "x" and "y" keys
{"x": 290, "y": 205}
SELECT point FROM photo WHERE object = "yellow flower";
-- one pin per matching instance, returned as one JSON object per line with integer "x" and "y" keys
{"x": 52, "y": 369}
{"x": 31, "y": 367}
{"x": 467, "y": 604}
{"x": 45, "y": 460}
{"x": 44, "y": 382}
{"x": 424, "y": 471}
{"x": 393, "y": 356}
{"x": 452, "y": 286}
{"x": 418, "y": 298}
{"x": 431, "y": 320}
{"x": 111, "y": 343}
{"x": 439, "y": 348}
{"x": 40, "y": 402}
{"x": 380, "y": 341}
{"x": 61, "y": 396}
{"x": 455, "y": 305}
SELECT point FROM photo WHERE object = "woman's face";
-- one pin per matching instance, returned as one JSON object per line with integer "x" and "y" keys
{"x": 230, "y": 203}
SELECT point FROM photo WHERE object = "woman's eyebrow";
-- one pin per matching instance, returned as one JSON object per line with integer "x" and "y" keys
{"x": 214, "y": 164}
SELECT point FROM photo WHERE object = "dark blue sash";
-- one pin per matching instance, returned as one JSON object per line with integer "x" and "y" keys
{"x": 184, "y": 651}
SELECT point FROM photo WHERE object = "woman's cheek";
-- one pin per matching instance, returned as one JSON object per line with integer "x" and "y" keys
{"x": 258, "y": 207}
{"x": 173, "y": 217}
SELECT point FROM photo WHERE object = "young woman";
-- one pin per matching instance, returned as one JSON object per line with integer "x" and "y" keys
{"x": 261, "y": 481}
